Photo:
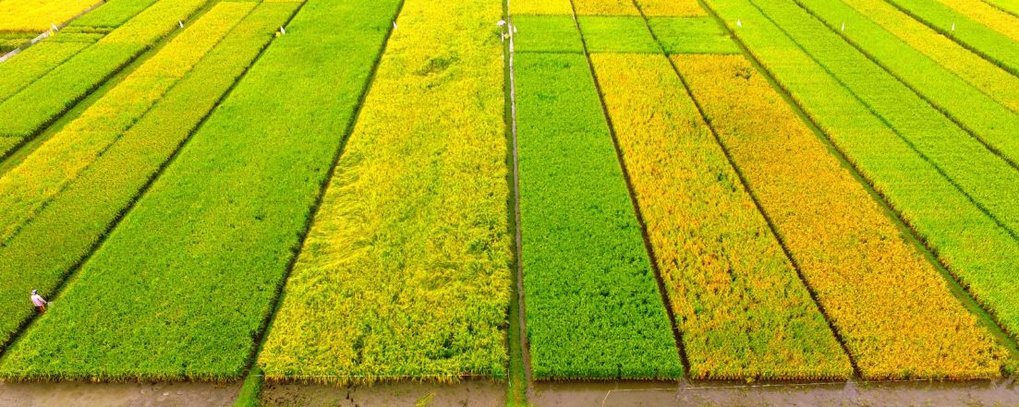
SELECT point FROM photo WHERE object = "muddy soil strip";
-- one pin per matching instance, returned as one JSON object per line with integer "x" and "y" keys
{"x": 69, "y": 394}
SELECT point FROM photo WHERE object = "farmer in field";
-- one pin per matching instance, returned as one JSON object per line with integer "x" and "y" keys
{"x": 40, "y": 303}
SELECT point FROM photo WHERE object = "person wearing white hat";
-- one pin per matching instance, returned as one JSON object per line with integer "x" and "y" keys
{"x": 38, "y": 301}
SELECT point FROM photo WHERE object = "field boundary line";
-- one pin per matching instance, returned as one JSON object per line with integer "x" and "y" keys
{"x": 277, "y": 301}
{"x": 677, "y": 336}
{"x": 753, "y": 196}
{"x": 943, "y": 111}
{"x": 988, "y": 319}
{"x": 521, "y": 327}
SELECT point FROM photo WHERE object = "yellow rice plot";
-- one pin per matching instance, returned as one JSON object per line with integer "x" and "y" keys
{"x": 38, "y": 15}
{"x": 606, "y": 8}
{"x": 894, "y": 311}
{"x": 671, "y": 8}
{"x": 542, "y": 7}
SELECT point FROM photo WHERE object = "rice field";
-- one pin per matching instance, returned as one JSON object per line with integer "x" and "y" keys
{"x": 529, "y": 194}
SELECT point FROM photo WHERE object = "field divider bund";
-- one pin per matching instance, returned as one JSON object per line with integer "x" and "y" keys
{"x": 267, "y": 322}
{"x": 912, "y": 146}
{"x": 653, "y": 259}
{"x": 1012, "y": 163}
{"x": 71, "y": 272}
{"x": 987, "y": 318}
{"x": 510, "y": 51}
{"x": 753, "y": 196}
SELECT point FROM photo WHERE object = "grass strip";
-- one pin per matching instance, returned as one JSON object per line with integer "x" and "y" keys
{"x": 973, "y": 35}
{"x": 67, "y": 229}
{"x": 963, "y": 159}
{"x": 994, "y": 124}
{"x": 41, "y": 102}
{"x": 44, "y": 173}
{"x": 203, "y": 253}
{"x": 980, "y": 73}
{"x": 981, "y": 254}
{"x": 405, "y": 273}
{"x": 741, "y": 308}
{"x": 593, "y": 305}
{"x": 874, "y": 285}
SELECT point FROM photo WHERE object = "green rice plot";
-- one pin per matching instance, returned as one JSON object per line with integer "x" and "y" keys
{"x": 34, "y": 62}
{"x": 618, "y": 34}
{"x": 546, "y": 34}
{"x": 993, "y": 123}
{"x": 202, "y": 254}
{"x": 593, "y": 306}
{"x": 692, "y": 35}
{"x": 969, "y": 33}
{"x": 981, "y": 254}
{"x": 63, "y": 232}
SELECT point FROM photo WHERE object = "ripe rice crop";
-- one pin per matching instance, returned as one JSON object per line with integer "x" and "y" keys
{"x": 62, "y": 234}
{"x": 971, "y": 34}
{"x": 38, "y": 15}
{"x": 44, "y": 173}
{"x": 980, "y": 73}
{"x": 605, "y": 8}
{"x": 977, "y": 251}
{"x": 892, "y": 308}
{"x": 993, "y": 123}
{"x": 740, "y": 307}
{"x": 39, "y": 103}
{"x": 405, "y": 273}
{"x": 203, "y": 252}
{"x": 593, "y": 309}
{"x": 541, "y": 7}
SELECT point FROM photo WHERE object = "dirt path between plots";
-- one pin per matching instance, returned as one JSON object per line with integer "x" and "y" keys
{"x": 117, "y": 394}
{"x": 998, "y": 393}
{"x": 468, "y": 393}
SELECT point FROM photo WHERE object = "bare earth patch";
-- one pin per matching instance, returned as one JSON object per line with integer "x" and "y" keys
{"x": 117, "y": 394}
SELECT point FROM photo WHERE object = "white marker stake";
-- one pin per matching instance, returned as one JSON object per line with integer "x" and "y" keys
{"x": 283, "y": 31}
{"x": 394, "y": 25}
{"x": 953, "y": 27}
{"x": 54, "y": 27}
{"x": 843, "y": 26}
{"x": 180, "y": 23}
{"x": 739, "y": 23}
